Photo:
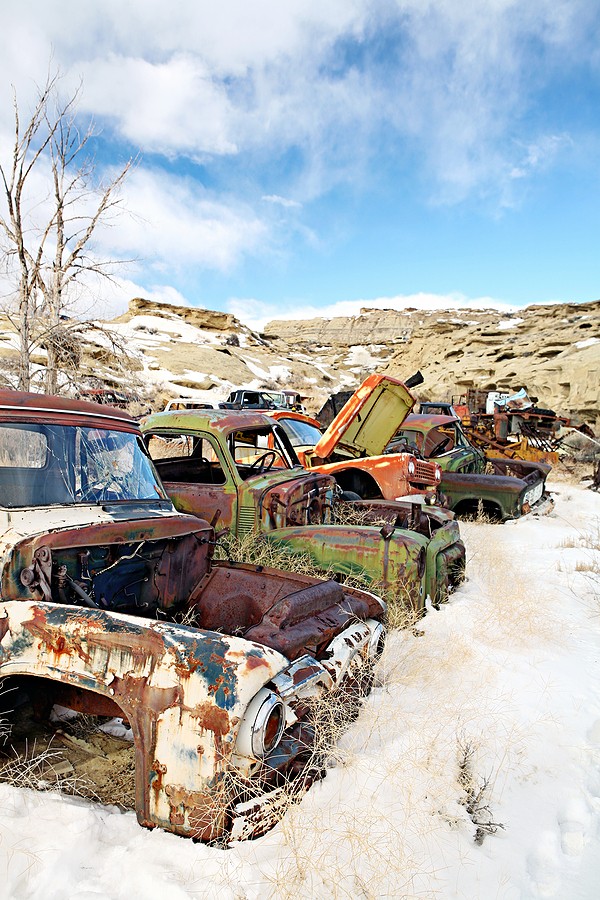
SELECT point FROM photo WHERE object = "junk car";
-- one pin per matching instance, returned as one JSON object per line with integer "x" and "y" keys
{"x": 239, "y": 470}
{"x": 97, "y": 569}
{"x": 352, "y": 448}
{"x": 500, "y": 488}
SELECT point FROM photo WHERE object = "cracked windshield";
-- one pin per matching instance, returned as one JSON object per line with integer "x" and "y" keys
{"x": 41, "y": 465}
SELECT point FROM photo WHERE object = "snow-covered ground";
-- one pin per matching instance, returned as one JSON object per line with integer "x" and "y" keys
{"x": 493, "y": 702}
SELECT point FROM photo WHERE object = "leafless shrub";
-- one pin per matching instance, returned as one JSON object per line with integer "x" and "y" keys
{"x": 476, "y": 789}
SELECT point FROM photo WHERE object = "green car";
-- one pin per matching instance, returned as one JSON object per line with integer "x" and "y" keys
{"x": 500, "y": 488}
{"x": 239, "y": 470}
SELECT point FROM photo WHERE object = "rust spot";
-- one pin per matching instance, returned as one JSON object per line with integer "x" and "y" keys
{"x": 211, "y": 718}
{"x": 134, "y": 691}
{"x": 255, "y": 662}
{"x": 156, "y": 777}
{"x": 205, "y": 811}
{"x": 53, "y": 637}
{"x": 4, "y": 627}
{"x": 213, "y": 688}
{"x": 300, "y": 675}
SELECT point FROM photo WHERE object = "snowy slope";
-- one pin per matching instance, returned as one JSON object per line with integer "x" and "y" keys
{"x": 504, "y": 679}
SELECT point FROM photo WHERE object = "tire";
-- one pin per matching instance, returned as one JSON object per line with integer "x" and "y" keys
{"x": 350, "y": 496}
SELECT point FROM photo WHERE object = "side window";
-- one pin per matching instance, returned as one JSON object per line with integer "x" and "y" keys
{"x": 170, "y": 446}
{"x": 185, "y": 458}
{"x": 23, "y": 447}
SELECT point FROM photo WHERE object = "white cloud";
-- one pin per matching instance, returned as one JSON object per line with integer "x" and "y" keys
{"x": 253, "y": 84}
{"x": 177, "y": 223}
{"x": 281, "y": 201}
{"x": 256, "y": 314}
{"x": 174, "y": 108}
{"x": 455, "y": 80}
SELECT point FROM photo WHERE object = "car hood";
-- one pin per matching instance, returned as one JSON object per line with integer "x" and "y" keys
{"x": 155, "y": 520}
{"x": 369, "y": 420}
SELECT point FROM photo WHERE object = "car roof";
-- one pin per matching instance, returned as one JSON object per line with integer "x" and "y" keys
{"x": 19, "y": 405}
{"x": 427, "y": 421}
{"x": 292, "y": 414}
{"x": 206, "y": 419}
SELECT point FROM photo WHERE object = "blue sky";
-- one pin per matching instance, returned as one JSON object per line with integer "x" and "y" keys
{"x": 310, "y": 158}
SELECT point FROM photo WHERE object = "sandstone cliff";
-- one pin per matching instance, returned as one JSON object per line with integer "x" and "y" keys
{"x": 553, "y": 351}
{"x": 162, "y": 351}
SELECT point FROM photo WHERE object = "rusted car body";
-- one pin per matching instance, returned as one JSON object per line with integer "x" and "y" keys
{"x": 97, "y": 569}
{"x": 240, "y": 470}
{"x": 501, "y": 488}
{"x": 503, "y": 433}
{"x": 385, "y": 476}
{"x": 352, "y": 447}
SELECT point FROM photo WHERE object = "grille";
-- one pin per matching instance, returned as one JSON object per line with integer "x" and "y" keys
{"x": 246, "y": 520}
{"x": 424, "y": 472}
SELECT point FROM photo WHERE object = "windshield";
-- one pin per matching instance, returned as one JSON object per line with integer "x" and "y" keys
{"x": 42, "y": 465}
{"x": 301, "y": 434}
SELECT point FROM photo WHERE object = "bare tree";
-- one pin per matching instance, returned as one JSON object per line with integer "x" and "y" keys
{"x": 48, "y": 249}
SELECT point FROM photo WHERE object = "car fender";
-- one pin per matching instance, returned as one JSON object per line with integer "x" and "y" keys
{"x": 183, "y": 690}
{"x": 397, "y": 560}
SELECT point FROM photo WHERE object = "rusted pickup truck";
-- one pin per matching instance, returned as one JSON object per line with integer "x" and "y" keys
{"x": 240, "y": 470}
{"x": 500, "y": 488}
{"x": 97, "y": 569}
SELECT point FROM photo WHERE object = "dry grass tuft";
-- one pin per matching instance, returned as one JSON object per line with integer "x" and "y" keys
{"x": 349, "y": 514}
{"x": 327, "y": 717}
{"x": 257, "y": 549}
{"x": 42, "y": 768}
{"x": 77, "y": 759}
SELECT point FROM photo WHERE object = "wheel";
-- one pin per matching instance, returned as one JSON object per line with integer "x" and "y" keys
{"x": 350, "y": 496}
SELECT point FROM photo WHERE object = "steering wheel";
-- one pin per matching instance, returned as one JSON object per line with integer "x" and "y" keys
{"x": 440, "y": 447}
{"x": 261, "y": 465}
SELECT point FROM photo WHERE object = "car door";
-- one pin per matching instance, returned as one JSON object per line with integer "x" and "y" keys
{"x": 196, "y": 474}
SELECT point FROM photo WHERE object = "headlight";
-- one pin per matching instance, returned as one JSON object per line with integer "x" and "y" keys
{"x": 262, "y": 725}
{"x": 411, "y": 467}
{"x": 438, "y": 473}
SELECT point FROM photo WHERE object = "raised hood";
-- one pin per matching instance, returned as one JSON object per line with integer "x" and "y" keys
{"x": 369, "y": 420}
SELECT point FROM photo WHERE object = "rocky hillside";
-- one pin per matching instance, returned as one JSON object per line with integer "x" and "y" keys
{"x": 160, "y": 351}
{"x": 553, "y": 351}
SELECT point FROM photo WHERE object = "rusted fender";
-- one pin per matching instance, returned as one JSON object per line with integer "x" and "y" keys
{"x": 397, "y": 562}
{"x": 183, "y": 690}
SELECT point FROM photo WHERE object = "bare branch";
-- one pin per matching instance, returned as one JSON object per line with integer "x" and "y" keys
{"x": 49, "y": 257}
